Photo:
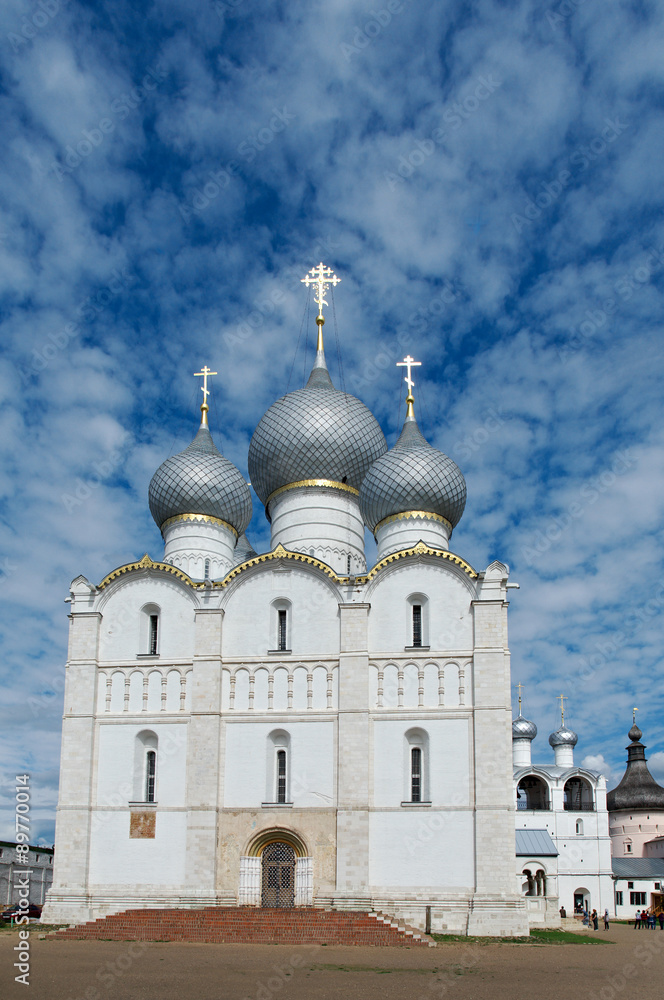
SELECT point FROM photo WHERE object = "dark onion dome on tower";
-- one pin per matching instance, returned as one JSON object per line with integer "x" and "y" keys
{"x": 413, "y": 476}
{"x": 522, "y": 729}
{"x": 199, "y": 480}
{"x": 314, "y": 433}
{"x": 638, "y": 789}
{"x": 563, "y": 737}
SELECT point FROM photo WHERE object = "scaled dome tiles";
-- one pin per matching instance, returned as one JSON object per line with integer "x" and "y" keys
{"x": 199, "y": 480}
{"x": 317, "y": 432}
{"x": 413, "y": 476}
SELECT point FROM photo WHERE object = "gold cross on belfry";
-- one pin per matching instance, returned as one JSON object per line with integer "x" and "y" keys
{"x": 562, "y": 698}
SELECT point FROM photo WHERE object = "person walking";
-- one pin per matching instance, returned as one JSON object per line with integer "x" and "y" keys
{"x": 637, "y": 920}
{"x": 606, "y": 919}
{"x": 595, "y": 920}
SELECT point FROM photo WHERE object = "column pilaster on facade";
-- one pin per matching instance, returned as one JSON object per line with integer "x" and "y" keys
{"x": 204, "y": 781}
{"x": 353, "y": 790}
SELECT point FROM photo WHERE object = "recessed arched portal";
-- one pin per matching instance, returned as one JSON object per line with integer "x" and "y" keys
{"x": 276, "y": 871}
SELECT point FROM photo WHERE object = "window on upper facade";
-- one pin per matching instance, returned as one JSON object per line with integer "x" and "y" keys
{"x": 145, "y": 767}
{"x": 619, "y": 898}
{"x": 416, "y": 774}
{"x": 628, "y": 847}
{"x": 150, "y": 775}
{"x": 280, "y": 625}
{"x": 150, "y": 627}
{"x": 281, "y": 775}
{"x": 278, "y": 751}
{"x": 630, "y": 885}
{"x": 637, "y": 898}
{"x": 282, "y": 629}
{"x": 154, "y": 632}
{"x": 418, "y": 625}
{"x": 417, "y": 751}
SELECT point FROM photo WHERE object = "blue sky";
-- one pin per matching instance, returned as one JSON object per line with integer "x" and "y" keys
{"x": 484, "y": 177}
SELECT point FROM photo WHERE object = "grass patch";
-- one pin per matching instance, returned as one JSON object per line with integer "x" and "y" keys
{"x": 536, "y": 937}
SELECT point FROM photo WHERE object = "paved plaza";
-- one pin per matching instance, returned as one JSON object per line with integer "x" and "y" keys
{"x": 631, "y": 966}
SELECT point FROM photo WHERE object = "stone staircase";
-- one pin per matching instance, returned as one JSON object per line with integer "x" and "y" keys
{"x": 251, "y": 925}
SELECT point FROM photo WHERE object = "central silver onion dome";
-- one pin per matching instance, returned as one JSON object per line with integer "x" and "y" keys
{"x": 522, "y": 729}
{"x": 413, "y": 476}
{"x": 317, "y": 432}
{"x": 563, "y": 737}
{"x": 199, "y": 480}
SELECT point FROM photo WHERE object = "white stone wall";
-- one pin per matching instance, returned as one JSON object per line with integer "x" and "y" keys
{"x": 120, "y": 606}
{"x": 250, "y": 622}
{"x": 249, "y": 770}
{"x": 450, "y": 624}
{"x": 447, "y": 783}
{"x": 320, "y": 522}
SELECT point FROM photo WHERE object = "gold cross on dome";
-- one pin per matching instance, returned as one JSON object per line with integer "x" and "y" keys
{"x": 206, "y": 392}
{"x": 320, "y": 276}
{"x": 409, "y": 363}
{"x": 562, "y": 699}
{"x": 634, "y": 711}
{"x": 520, "y": 687}
{"x": 204, "y": 389}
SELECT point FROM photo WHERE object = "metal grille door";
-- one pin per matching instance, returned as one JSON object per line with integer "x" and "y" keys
{"x": 278, "y": 875}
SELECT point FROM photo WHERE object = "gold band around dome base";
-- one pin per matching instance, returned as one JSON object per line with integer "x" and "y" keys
{"x": 329, "y": 483}
{"x": 406, "y": 515}
{"x": 200, "y": 518}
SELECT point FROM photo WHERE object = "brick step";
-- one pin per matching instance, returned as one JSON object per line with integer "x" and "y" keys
{"x": 301, "y": 925}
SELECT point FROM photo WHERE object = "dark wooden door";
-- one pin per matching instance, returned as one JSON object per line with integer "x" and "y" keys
{"x": 278, "y": 875}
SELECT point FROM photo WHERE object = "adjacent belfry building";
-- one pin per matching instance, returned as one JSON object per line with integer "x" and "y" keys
{"x": 295, "y": 728}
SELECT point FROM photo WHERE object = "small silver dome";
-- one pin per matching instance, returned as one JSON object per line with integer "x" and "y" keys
{"x": 522, "y": 729}
{"x": 563, "y": 737}
{"x": 199, "y": 480}
{"x": 317, "y": 432}
{"x": 413, "y": 476}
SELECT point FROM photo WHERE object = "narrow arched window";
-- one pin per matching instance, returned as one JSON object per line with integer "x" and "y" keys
{"x": 282, "y": 629}
{"x": 416, "y": 766}
{"x": 416, "y": 774}
{"x": 579, "y": 826}
{"x": 417, "y": 624}
{"x": 281, "y": 775}
{"x": 154, "y": 634}
{"x": 150, "y": 775}
{"x": 417, "y": 635}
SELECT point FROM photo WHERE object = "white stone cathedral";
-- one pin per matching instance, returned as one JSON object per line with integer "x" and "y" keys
{"x": 294, "y": 728}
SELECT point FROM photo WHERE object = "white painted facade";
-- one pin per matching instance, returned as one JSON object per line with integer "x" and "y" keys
{"x": 581, "y": 870}
{"x": 218, "y": 711}
{"x": 347, "y": 700}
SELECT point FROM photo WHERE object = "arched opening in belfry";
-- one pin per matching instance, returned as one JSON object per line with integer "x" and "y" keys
{"x": 532, "y": 793}
{"x": 578, "y": 796}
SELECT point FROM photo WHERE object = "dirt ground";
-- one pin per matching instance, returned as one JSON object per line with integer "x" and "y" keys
{"x": 632, "y": 965}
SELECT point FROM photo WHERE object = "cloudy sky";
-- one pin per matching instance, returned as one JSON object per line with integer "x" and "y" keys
{"x": 484, "y": 177}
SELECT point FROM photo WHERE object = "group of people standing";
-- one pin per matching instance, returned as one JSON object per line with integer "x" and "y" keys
{"x": 648, "y": 921}
{"x": 593, "y": 919}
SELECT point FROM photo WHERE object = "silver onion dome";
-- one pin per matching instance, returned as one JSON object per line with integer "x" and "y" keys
{"x": 522, "y": 729}
{"x": 199, "y": 480}
{"x": 317, "y": 432}
{"x": 413, "y": 476}
{"x": 563, "y": 737}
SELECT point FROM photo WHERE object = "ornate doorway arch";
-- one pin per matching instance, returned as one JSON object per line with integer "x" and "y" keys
{"x": 276, "y": 870}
